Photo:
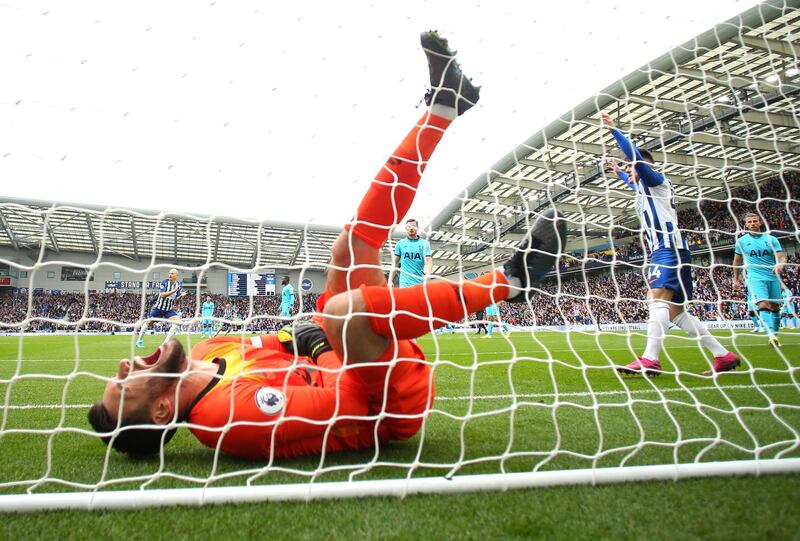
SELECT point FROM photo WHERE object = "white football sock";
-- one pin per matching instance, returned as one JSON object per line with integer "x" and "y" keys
{"x": 142, "y": 331}
{"x": 444, "y": 111}
{"x": 172, "y": 330}
{"x": 657, "y": 325}
{"x": 695, "y": 329}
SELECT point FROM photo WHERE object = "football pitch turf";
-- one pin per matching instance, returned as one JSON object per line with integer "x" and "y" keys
{"x": 544, "y": 401}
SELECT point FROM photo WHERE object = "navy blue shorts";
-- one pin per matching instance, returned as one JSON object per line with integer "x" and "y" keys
{"x": 671, "y": 270}
{"x": 157, "y": 313}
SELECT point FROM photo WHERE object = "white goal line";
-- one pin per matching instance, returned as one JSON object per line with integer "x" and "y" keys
{"x": 501, "y": 396}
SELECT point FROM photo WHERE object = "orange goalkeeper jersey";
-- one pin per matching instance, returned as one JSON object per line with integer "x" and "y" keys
{"x": 265, "y": 402}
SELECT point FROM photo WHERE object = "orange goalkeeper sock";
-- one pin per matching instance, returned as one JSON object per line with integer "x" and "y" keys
{"x": 391, "y": 193}
{"x": 404, "y": 313}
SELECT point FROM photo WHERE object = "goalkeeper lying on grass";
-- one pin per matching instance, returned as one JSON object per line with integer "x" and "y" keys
{"x": 351, "y": 378}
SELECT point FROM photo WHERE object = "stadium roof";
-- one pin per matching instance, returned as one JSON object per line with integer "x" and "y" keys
{"x": 163, "y": 237}
{"x": 720, "y": 111}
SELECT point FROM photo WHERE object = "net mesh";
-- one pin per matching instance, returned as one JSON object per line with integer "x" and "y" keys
{"x": 543, "y": 393}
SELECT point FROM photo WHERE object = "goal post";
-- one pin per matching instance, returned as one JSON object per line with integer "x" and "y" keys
{"x": 541, "y": 405}
{"x": 137, "y": 499}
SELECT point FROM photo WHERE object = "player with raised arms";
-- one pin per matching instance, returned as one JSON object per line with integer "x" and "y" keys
{"x": 669, "y": 274}
{"x": 169, "y": 292}
{"x": 289, "y": 394}
{"x": 763, "y": 260}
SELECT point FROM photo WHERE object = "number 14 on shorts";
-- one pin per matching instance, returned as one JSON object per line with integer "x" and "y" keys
{"x": 653, "y": 273}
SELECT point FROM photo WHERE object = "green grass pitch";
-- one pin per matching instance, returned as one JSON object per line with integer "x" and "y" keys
{"x": 542, "y": 401}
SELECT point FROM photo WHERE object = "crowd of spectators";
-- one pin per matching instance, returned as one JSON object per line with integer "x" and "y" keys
{"x": 619, "y": 297}
{"x": 716, "y": 221}
{"x": 613, "y": 292}
{"x": 118, "y": 311}
{"x": 604, "y": 297}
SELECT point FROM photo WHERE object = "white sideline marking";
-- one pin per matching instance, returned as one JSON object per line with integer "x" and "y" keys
{"x": 493, "y": 396}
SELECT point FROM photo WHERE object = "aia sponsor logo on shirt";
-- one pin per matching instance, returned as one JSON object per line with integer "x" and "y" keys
{"x": 270, "y": 401}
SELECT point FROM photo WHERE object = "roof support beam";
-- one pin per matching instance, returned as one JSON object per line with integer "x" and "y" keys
{"x": 50, "y": 234}
{"x": 611, "y": 194}
{"x": 482, "y": 216}
{"x": 134, "y": 238}
{"x": 64, "y": 221}
{"x": 215, "y": 256}
{"x": 672, "y": 157}
{"x": 771, "y": 119}
{"x": 121, "y": 254}
{"x": 8, "y": 231}
{"x": 175, "y": 239}
{"x": 467, "y": 232}
{"x": 550, "y": 166}
{"x": 90, "y": 229}
{"x": 725, "y": 140}
{"x": 254, "y": 258}
{"x": 592, "y": 209}
{"x": 719, "y": 110}
{"x": 325, "y": 246}
{"x": 753, "y": 143}
{"x": 527, "y": 184}
{"x": 513, "y": 202}
{"x": 761, "y": 43}
{"x": 296, "y": 253}
{"x": 719, "y": 79}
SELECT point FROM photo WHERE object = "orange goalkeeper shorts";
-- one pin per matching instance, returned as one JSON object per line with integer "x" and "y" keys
{"x": 403, "y": 379}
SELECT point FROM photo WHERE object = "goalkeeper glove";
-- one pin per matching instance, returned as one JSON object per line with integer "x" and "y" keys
{"x": 305, "y": 338}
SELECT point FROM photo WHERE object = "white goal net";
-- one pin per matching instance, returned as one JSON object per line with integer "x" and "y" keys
{"x": 545, "y": 392}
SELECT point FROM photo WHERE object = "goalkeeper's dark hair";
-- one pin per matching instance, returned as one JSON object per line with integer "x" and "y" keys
{"x": 648, "y": 157}
{"x": 135, "y": 442}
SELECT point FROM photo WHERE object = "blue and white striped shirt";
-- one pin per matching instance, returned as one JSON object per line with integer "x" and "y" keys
{"x": 655, "y": 200}
{"x": 167, "y": 303}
